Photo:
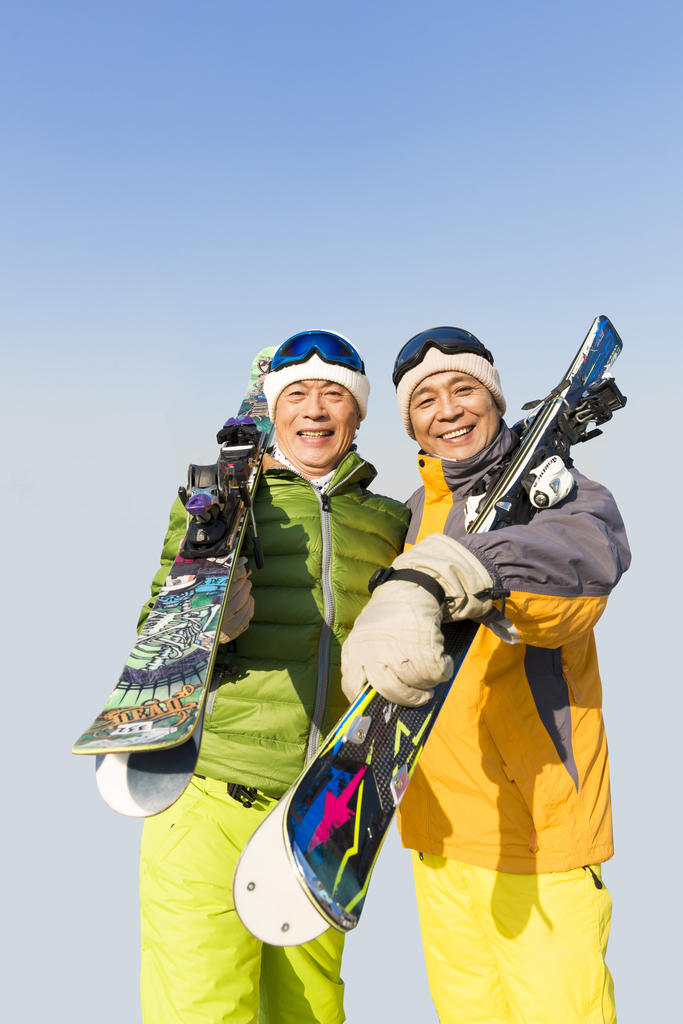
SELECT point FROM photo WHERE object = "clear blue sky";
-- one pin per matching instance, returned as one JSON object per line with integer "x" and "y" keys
{"x": 184, "y": 183}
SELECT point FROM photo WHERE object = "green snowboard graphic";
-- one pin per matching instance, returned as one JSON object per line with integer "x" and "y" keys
{"x": 159, "y": 698}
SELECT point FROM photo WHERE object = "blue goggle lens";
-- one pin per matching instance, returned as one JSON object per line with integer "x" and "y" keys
{"x": 330, "y": 348}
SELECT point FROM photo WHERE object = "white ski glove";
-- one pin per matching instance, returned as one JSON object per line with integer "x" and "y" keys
{"x": 240, "y": 607}
{"x": 459, "y": 572}
{"x": 397, "y": 644}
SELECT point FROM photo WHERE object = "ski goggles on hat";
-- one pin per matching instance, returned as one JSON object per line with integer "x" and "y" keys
{"x": 331, "y": 348}
{"x": 449, "y": 340}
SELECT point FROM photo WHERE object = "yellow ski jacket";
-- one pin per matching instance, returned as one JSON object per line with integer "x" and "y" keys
{"x": 515, "y": 775}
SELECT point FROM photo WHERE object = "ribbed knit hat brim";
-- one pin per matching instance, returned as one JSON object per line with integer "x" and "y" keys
{"x": 436, "y": 361}
{"x": 316, "y": 368}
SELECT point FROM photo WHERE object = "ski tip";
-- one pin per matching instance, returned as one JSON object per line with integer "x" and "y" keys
{"x": 269, "y": 898}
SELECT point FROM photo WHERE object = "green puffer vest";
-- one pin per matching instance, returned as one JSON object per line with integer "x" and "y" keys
{"x": 285, "y": 693}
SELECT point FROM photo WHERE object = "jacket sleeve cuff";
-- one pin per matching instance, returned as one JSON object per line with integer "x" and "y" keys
{"x": 486, "y": 562}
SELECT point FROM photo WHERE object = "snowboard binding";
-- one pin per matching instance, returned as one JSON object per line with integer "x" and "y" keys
{"x": 216, "y": 495}
{"x": 596, "y": 405}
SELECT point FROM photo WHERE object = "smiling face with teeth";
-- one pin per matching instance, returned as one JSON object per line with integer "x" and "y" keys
{"x": 453, "y": 415}
{"x": 316, "y": 422}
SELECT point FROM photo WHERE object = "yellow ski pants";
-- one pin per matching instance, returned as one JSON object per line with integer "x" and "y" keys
{"x": 515, "y": 949}
{"x": 199, "y": 963}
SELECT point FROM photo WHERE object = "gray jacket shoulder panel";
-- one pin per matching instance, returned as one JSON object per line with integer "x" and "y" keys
{"x": 578, "y": 547}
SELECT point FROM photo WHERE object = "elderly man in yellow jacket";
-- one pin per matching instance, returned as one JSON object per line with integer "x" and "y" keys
{"x": 508, "y": 813}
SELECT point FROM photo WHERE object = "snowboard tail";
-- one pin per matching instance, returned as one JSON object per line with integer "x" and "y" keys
{"x": 144, "y": 783}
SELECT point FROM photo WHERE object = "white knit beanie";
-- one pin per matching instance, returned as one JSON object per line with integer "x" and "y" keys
{"x": 316, "y": 368}
{"x": 436, "y": 361}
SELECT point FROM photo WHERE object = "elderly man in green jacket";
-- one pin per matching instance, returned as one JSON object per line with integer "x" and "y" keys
{"x": 278, "y": 690}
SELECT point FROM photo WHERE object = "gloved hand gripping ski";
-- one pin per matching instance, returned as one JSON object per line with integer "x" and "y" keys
{"x": 240, "y": 605}
{"x": 397, "y": 644}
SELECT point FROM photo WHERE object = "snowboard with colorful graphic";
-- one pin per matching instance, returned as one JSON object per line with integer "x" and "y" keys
{"x": 147, "y": 736}
{"x": 336, "y": 815}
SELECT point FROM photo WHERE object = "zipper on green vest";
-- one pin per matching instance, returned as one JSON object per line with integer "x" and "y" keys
{"x": 328, "y": 606}
{"x": 328, "y": 623}
{"x": 326, "y": 631}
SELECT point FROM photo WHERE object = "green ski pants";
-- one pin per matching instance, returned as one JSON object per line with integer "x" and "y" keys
{"x": 199, "y": 963}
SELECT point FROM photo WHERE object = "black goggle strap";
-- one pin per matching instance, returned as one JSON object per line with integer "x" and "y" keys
{"x": 402, "y": 366}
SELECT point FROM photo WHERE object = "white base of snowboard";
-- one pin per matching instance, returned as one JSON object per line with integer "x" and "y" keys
{"x": 269, "y": 898}
{"x": 140, "y": 784}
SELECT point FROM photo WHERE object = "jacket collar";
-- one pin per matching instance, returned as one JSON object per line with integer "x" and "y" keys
{"x": 461, "y": 476}
{"x": 352, "y": 469}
